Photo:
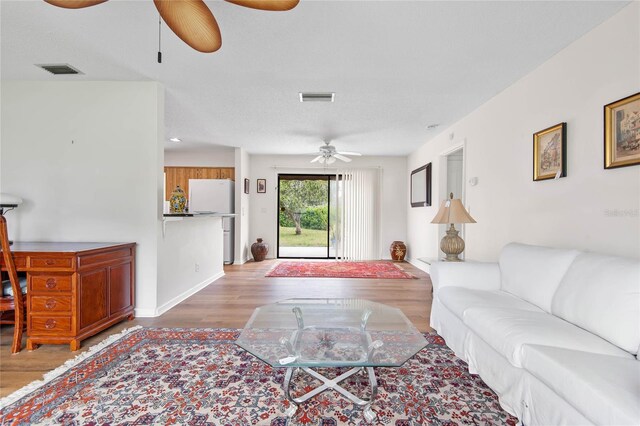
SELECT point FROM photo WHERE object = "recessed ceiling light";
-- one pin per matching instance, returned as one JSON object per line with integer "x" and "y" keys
{"x": 175, "y": 140}
{"x": 432, "y": 126}
{"x": 317, "y": 97}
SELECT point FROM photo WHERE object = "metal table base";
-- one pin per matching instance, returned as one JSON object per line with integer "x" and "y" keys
{"x": 328, "y": 384}
{"x": 293, "y": 350}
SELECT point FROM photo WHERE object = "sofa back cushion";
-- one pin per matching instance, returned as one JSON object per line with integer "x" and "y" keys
{"x": 602, "y": 295}
{"x": 533, "y": 273}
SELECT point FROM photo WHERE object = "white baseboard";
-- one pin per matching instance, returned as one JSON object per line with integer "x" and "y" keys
{"x": 144, "y": 312}
{"x": 150, "y": 313}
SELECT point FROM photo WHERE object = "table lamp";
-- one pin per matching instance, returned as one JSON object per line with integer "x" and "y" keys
{"x": 452, "y": 211}
{"x": 9, "y": 202}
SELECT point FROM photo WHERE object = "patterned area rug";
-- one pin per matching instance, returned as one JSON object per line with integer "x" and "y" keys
{"x": 376, "y": 269}
{"x": 200, "y": 377}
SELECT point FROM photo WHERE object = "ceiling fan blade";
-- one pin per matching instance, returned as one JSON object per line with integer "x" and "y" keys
{"x": 342, "y": 157}
{"x": 272, "y": 5}
{"x": 317, "y": 158}
{"x": 193, "y": 22}
{"x": 74, "y": 4}
{"x": 357, "y": 154}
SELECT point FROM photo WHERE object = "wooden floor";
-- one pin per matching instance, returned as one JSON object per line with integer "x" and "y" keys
{"x": 228, "y": 302}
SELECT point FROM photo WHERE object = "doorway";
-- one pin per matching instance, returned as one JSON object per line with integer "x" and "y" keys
{"x": 306, "y": 216}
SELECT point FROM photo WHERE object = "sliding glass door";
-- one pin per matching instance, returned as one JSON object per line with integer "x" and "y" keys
{"x": 306, "y": 205}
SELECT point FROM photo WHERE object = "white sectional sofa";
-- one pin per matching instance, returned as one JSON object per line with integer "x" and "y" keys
{"x": 555, "y": 333}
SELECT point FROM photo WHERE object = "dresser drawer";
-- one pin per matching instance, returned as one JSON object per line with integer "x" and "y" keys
{"x": 51, "y": 262}
{"x": 49, "y": 283}
{"x": 50, "y": 324}
{"x": 43, "y": 304}
{"x": 18, "y": 261}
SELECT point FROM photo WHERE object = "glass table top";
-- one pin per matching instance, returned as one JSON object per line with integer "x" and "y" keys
{"x": 331, "y": 333}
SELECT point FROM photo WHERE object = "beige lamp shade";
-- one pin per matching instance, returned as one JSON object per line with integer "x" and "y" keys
{"x": 452, "y": 211}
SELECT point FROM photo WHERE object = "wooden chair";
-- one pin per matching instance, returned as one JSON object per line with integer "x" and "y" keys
{"x": 15, "y": 301}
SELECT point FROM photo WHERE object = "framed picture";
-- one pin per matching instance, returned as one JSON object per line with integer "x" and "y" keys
{"x": 262, "y": 186}
{"x": 622, "y": 132}
{"x": 246, "y": 185}
{"x": 550, "y": 153}
{"x": 421, "y": 186}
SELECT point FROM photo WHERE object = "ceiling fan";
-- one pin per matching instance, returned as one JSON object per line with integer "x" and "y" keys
{"x": 191, "y": 20}
{"x": 329, "y": 154}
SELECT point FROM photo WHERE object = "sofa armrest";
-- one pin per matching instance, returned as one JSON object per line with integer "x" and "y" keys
{"x": 473, "y": 275}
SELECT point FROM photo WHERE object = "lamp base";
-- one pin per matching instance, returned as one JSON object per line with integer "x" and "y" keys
{"x": 452, "y": 245}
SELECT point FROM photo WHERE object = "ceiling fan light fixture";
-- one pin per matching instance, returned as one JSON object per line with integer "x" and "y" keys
{"x": 317, "y": 96}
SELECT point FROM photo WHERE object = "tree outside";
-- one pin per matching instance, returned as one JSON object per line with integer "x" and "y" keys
{"x": 303, "y": 206}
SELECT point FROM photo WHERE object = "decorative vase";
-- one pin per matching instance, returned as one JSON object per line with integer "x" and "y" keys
{"x": 259, "y": 250}
{"x": 398, "y": 250}
{"x": 452, "y": 245}
{"x": 178, "y": 201}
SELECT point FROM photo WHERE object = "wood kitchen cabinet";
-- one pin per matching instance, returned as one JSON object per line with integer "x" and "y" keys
{"x": 180, "y": 176}
{"x": 75, "y": 290}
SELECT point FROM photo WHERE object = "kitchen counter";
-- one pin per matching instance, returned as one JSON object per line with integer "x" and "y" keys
{"x": 174, "y": 217}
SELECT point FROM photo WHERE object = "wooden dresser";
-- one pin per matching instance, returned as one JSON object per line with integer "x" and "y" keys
{"x": 75, "y": 290}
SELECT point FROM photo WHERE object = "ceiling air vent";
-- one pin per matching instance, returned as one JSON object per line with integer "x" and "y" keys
{"x": 58, "y": 69}
{"x": 317, "y": 97}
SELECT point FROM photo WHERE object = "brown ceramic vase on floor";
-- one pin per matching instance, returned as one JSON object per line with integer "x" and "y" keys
{"x": 259, "y": 250}
{"x": 398, "y": 251}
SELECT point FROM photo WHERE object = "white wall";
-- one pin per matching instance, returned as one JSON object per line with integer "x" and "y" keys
{"x": 189, "y": 259}
{"x": 264, "y": 207}
{"x": 242, "y": 242}
{"x": 577, "y": 211}
{"x": 201, "y": 156}
{"x": 86, "y": 157}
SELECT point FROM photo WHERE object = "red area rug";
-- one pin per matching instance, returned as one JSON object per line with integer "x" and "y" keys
{"x": 200, "y": 377}
{"x": 377, "y": 269}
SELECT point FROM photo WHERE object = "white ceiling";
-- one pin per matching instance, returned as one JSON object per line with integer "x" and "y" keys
{"x": 396, "y": 66}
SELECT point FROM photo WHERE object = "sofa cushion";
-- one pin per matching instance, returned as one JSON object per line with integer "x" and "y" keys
{"x": 605, "y": 389}
{"x": 459, "y": 299}
{"x": 533, "y": 273}
{"x": 602, "y": 294}
{"x": 474, "y": 275}
{"x": 506, "y": 330}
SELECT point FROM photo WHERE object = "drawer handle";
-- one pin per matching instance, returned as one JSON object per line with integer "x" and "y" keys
{"x": 51, "y": 283}
{"x": 50, "y": 324}
{"x": 49, "y": 262}
{"x": 51, "y": 303}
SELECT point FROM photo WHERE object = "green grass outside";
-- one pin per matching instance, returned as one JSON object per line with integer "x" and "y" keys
{"x": 308, "y": 238}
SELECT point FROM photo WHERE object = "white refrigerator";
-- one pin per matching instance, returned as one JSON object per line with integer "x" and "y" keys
{"x": 218, "y": 196}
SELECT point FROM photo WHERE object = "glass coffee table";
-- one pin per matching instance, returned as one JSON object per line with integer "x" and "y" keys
{"x": 302, "y": 334}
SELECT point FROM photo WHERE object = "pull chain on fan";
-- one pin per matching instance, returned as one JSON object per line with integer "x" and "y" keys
{"x": 159, "y": 39}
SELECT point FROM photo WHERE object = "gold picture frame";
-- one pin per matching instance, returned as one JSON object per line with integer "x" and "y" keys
{"x": 622, "y": 132}
{"x": 550, "y": 153}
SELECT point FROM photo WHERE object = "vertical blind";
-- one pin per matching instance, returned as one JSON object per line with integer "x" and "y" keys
{"x": 358, "y": 214}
